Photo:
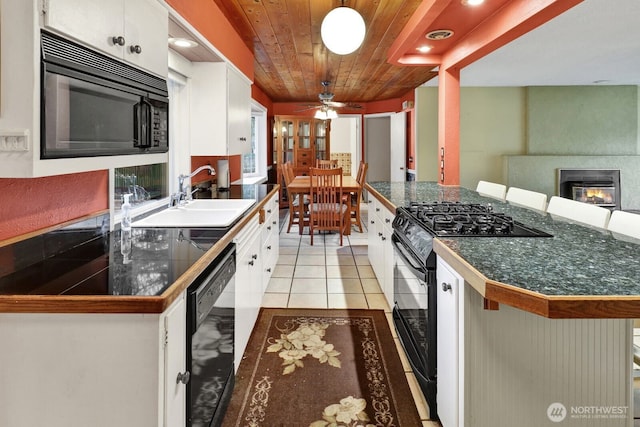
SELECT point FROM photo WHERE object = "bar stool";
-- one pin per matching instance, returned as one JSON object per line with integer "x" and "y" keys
{"x": 527, "y": 198}
{"x": 584, "y": 213}
{"x": 491, "y": 189}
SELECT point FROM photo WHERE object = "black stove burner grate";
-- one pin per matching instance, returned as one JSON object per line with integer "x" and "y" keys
{"x": 468, "y": 219}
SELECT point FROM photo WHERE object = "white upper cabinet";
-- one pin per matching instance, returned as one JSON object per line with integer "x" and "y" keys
{"x": 132, "y": 30}
{"x": 220, "y": 110}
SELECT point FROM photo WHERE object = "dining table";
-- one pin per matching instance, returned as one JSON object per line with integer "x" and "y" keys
{"x": 301, "y": 185}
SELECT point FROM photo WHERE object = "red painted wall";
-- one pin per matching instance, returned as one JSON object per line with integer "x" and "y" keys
{"x": 235, "y": 166}
{"x": 35, "y": 203}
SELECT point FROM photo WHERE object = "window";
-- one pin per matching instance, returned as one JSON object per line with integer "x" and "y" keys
{"x": 254, "y": 164}
{"x": 249, "y": 160}
{"x": 146, "y": 183}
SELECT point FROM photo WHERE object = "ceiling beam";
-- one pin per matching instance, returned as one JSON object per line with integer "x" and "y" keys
{"x": 509, "y": 23}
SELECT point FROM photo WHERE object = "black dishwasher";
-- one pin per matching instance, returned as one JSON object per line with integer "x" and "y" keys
{"x": 210, "y": 342}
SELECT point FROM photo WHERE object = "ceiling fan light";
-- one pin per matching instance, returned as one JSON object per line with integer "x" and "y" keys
{"x": 342, "y": 30}
{"x": 332, "y": 114}
{"x": 321, "y": 115}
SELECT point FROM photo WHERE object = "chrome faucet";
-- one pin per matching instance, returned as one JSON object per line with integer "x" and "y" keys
{"x": 184, "y": 194}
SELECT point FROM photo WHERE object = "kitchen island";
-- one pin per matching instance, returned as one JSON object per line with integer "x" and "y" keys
{"x": 537, "y": 331}
{"x": 581, "y": 272}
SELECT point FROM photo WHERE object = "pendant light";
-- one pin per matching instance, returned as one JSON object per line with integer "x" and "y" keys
{"x": 342, "y": 30}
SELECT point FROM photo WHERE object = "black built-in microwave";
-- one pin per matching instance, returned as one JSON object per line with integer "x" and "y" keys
{"x": 94, "y": 105}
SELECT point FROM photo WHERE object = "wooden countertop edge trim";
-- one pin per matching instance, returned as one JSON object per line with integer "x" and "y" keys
{"x": 380, "y": 197}
{"x": 126, "y": 304}
{"x": 566, "y": 307}
{"x": 459, "y": 264}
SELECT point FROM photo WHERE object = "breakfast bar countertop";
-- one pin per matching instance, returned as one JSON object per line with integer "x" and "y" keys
{"x": 580, "y": 272}
{"x": 96, "y": 277}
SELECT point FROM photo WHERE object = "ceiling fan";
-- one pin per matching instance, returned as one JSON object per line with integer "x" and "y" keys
{"x": 326, "y": 102}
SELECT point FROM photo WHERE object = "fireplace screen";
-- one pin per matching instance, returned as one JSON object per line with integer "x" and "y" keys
{"x": 595, "y": 194}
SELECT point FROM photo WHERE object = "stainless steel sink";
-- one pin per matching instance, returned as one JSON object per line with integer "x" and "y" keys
{"x": 201, "y": 213}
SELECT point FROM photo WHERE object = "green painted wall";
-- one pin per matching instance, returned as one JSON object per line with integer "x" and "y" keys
{"x": 583, "y": 120}
{"x": 426, "y": 105}
{"x": 492, "y": 124}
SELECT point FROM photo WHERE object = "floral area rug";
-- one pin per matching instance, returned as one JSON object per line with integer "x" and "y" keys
{"x": 321, "y": 368}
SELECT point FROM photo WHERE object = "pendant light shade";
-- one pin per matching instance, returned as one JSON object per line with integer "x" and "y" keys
{"x": 342, "y": 30}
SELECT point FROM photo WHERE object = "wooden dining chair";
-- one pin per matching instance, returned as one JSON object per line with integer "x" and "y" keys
{"x": 294, "y": 200}
{"x": 326, "y": 164}
{"x": 326, "y": 210}
{"x": 355, "y": 198}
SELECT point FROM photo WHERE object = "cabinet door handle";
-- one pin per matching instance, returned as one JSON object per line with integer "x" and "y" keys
{"x": 274, "y": 222}
{"x": 377, "y": 209}
{"x": 384, "y": 238}
{"x": 183, "y": 377}
{"x": 254, "y": 256}
{"x": 268, "y": 210}
{"x": 268, "y": 270}
{"x": 379, "y": 234}
{"x": 135, "y": 49}
{"x": 269, "y": 228}
{"x": 269, "y": 247}
{"x": 251, "y": 262}
{"x": 373, "y": 222}
{"x": 387, "y": 220}
{"x": 446, "y": 287}
{"x": 119, "y": 40}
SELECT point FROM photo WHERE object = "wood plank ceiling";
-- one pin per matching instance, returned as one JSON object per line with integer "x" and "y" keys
{"x": 291, "y": 61}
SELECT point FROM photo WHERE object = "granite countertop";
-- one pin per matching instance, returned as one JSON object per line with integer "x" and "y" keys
{"x": 579, "y": 272}
{"x": 96, "y": 276}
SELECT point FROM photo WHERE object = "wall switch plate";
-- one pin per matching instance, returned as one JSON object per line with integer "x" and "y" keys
{"x": 14, "y": 141}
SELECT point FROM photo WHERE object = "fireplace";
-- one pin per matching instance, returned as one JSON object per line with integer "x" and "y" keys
{"x": 595, "y": 186}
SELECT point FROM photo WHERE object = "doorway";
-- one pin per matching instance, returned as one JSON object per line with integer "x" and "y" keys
{"x": 385, "y": 146}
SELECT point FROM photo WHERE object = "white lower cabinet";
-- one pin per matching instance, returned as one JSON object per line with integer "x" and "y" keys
{"x": 175, "y": 364}
{"x": 508, "y": 367}
{"x": 99, "y": 370}
{"x": 450, "y": 287}
{"x": 380, "y": 248}
{"x": 270, "y": 239}
{"x": 248, "y": 282}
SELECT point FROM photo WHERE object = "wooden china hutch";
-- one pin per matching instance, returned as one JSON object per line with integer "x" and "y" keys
{"x": 299, "y": 140}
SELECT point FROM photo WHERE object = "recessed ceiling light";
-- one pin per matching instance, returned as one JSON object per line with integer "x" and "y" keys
{"x": 472, "y": 2}
{"x": 180, "y": 42}
{"x": 423, "y": 49}
{"x": 439, "y": 34}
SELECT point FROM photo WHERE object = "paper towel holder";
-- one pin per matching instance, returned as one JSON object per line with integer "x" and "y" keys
{"x": 222, "y": 174}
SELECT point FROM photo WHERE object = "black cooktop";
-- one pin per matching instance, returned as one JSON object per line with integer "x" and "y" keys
{"x": 145, "y": 263}
{"x": 455, "y": 219}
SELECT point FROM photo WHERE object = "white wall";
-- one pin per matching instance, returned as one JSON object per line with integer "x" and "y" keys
{"x": 344, "y": 139}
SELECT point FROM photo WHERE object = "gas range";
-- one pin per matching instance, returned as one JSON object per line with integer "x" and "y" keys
{"x": 454, "y": 219}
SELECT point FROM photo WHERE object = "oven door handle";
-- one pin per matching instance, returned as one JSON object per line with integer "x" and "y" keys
{"x": 418, "y": 270}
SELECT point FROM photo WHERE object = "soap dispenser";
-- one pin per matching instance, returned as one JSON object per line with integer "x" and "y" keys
{"x": 125, "y": 222}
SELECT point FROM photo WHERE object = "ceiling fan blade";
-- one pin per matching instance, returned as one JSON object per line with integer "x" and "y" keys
{"x": 308, "y": 107}
{"x": 343, "y": 105}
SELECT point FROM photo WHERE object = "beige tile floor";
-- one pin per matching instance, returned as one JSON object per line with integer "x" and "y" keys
{"x": 327, "y": 275}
